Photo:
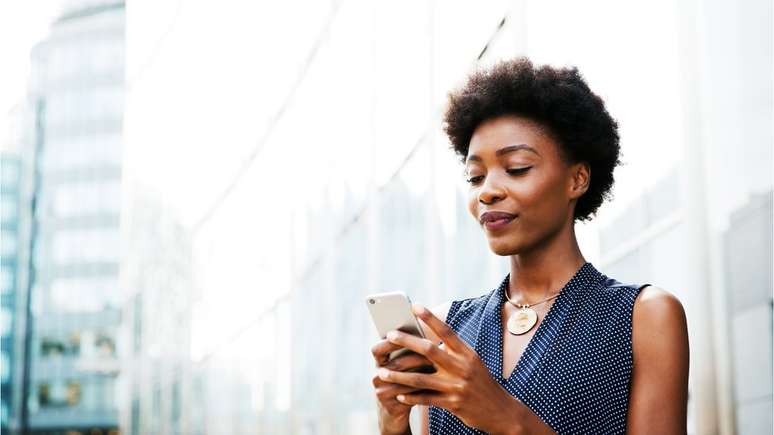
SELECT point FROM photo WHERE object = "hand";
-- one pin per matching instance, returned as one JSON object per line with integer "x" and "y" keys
{"x": 394, "y": 415}
{"x": 461, "y": 384}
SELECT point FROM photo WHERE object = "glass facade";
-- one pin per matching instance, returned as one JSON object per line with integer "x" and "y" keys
{"x": 10, "y": 180}
{"x": 77, "y": 98}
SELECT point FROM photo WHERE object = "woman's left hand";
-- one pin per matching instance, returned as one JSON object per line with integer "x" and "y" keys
{"x": 461, "y": 384}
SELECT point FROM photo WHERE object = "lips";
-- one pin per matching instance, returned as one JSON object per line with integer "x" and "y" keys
{"x": 494, "y": 216}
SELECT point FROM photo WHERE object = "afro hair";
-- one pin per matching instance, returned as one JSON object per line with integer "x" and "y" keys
{"x": 558, "y": 99}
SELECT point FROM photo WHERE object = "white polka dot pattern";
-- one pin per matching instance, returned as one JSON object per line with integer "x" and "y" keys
{"x": 575, "y": 371}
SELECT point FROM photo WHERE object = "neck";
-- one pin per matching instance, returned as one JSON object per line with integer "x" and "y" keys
{"x": 544, "y": 270}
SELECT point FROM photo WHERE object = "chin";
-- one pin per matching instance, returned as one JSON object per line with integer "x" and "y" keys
{"x": 503, "y": 248}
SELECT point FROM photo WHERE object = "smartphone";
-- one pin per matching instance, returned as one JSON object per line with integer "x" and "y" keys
{"x": 392, "y": 310}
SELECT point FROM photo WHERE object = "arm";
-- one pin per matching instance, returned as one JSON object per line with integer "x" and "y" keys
{"x": 659, "y": 387}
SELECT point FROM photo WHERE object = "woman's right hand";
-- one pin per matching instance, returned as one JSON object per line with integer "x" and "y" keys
{"x": 394, "y": 415}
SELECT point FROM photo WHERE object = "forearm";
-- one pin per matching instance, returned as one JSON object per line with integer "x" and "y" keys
{"x": 520, "y": 420}
{"x": 390, "y": 427}
{"x": 388, "y": 432}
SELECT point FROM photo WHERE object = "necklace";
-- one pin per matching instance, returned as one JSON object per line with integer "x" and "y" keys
{"x": 525, "y": 318}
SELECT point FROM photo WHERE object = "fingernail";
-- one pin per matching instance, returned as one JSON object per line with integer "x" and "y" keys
{"x": 392, "y": 335}
{"x": 401, "y": 397}
{"x": 383, "y": 373}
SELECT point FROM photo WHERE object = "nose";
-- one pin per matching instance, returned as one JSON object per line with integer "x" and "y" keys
{"x": 491, "y": 191}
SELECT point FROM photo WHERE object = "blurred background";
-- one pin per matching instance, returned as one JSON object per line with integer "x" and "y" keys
{"x": 197, "y": 196}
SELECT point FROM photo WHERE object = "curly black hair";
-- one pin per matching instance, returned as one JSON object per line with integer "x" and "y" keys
{"x": 556, "y": 98}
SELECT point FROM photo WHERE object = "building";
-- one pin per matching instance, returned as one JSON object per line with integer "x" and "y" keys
{"x": 17, "y": 190}
{"x": 75, "y": 103}
{"x": 748, "y": 251}
{"x": 10, "y": 177}
{"x": 156, "y": 380}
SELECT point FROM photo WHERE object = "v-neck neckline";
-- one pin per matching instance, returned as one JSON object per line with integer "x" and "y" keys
{"x": 546, "y": 330}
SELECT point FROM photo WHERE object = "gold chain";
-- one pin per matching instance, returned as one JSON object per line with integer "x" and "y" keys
{"x": 528, "y": 305}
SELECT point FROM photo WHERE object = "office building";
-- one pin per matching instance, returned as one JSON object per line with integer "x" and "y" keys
{"x": 10, "y": 174}
{"x": 75, "y": 110}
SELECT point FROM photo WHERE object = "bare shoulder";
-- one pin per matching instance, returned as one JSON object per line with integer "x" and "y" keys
{"x": 657, "y": 308}
{"x": 658, "y": 323}
{"x": 661, "y": 363}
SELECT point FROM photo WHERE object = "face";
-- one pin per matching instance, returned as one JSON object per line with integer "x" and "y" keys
{"x": 514, "y": 166}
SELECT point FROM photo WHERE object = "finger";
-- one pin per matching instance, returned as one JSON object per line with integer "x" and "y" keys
{"x": 408, "y": 361}
{"x": 412, "y": 379}
{"x": 429, "y": 398}
{"x": 441, "y": 329}
{"x": 386, "y": 389}
{"x": 421, "y": 346}
{"x": 381, "y": 351}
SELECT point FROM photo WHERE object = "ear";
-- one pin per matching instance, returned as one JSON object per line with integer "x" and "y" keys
{"x": 580, "y": 177}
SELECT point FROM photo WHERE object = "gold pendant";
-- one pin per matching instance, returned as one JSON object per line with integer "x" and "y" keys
{"x": 522, "y": 321}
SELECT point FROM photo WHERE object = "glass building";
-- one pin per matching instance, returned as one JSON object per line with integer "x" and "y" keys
{"x": 157, "y": 381}
{"x": 10, "y": 177}
{"x": 75, "y": 102}
{"x": 290, "y": 161}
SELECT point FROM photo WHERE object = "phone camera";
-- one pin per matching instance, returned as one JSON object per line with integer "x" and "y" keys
{"x": 371, "y": 301}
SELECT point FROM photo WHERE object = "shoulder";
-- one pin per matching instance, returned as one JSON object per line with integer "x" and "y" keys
{"x": 655, "y": 306}
{"x": 659, "y": 324}
{"x": 660, "y": 364}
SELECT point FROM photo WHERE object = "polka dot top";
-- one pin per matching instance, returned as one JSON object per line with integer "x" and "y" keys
{"x": 575, "y": 371}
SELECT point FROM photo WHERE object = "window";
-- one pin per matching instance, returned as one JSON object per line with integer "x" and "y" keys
{"x": 85, "y": 198}
{"x": 83, "y": 151}
{"x": 6, "y": 321}
{"x": 8, "y": 208}
{"x": 8, "y": 243}
{"x": 85, "y": 294}
{"x": 50, "y": 347}
{"x": 10, "y": 174}
{"x": 5, "y": 369}
{"x": 6, "y": 279}
{"x": 83, "y": 107}
{"x": 105, "y": 345}
{"x": 90, "y": 245}
{"x": 54, "y": 347}
{"x": 59, "y": 393}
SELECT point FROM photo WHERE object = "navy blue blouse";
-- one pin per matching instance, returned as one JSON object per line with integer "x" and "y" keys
{"x": 575, "y": 371}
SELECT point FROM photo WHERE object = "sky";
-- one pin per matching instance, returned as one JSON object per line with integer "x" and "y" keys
{"x": 22, "y": 25}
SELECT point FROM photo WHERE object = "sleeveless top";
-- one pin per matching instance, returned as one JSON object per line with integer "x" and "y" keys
{"x": 575, "y": 371}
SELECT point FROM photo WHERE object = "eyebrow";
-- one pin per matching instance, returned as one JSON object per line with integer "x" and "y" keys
{"x": 505, "y": 150}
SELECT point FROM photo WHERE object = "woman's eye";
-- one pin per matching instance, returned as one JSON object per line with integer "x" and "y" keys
{"x": 517, "y": 171}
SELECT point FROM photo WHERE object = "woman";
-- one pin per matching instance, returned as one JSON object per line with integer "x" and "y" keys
{"x": 557, "y": 347}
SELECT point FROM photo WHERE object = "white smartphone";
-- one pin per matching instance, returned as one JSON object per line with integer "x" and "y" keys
{"x": 392, "y": 310}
